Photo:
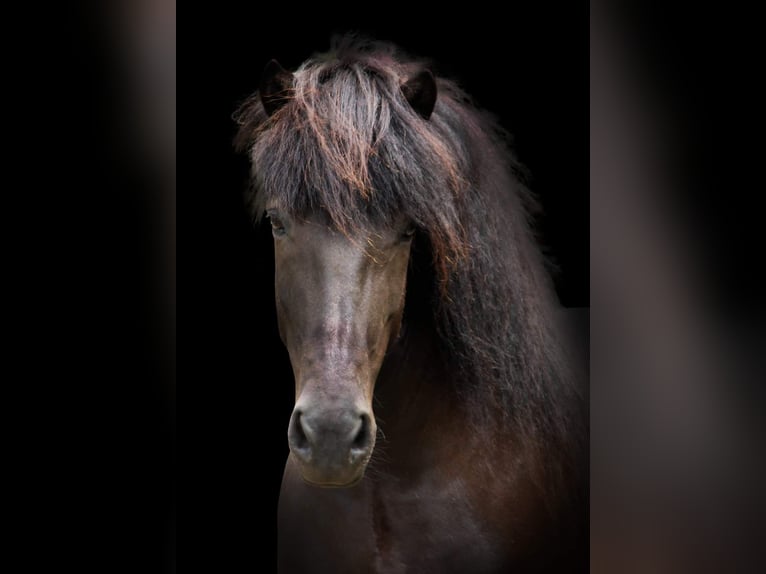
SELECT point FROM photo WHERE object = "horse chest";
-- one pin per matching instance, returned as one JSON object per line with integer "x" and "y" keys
{"x": 428, "y": 529}
{"x": 383, "y": 529}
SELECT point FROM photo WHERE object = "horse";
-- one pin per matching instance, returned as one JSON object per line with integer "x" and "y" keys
{"x": 440, "y": 420}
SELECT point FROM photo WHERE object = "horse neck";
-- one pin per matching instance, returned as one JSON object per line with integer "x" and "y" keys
{"x": 420, "y": 415}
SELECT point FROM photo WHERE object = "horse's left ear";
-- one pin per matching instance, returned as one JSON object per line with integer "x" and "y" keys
{"x": 420, "y": 92}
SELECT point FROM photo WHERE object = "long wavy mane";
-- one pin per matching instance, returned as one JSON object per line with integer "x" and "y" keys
{"x": 349, "y": 145}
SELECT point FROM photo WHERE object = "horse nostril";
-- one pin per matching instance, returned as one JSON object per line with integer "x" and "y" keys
{"x": 298, "y": 438}
{"x": 362, "y": 438}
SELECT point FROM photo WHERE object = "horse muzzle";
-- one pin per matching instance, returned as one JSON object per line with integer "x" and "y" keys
{"x": 332, "y": 445}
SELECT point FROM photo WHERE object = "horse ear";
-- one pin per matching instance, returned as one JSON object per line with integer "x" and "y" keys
{"x": 276, "y": 87}
{"x": 420, "y": 92}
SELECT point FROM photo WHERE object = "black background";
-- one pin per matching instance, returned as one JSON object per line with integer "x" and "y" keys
{"x": 528, "y": 66}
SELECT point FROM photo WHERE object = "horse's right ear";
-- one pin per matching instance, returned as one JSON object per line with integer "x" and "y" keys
{"x": 276, "y": 87}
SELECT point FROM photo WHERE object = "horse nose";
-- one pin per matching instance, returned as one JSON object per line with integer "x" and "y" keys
{"x": 331, "y": 441}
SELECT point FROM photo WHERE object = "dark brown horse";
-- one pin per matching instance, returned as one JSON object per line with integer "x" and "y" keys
{"x": 438, "y": 422}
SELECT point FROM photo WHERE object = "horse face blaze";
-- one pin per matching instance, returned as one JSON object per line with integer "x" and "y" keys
{"x": 340, "y": 299}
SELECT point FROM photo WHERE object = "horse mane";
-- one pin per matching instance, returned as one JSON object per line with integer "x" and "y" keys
{"x": 348, "y": 144}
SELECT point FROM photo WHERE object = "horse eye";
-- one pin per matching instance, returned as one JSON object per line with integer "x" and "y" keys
{"x": 409, "y": 232}
{"x": 277, "y": 227}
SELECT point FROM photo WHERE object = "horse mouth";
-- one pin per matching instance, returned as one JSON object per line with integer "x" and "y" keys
{"x": 350, "y": 484}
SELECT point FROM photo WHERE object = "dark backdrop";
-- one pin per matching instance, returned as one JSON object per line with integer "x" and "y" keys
{"x": 530, "y": 68}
